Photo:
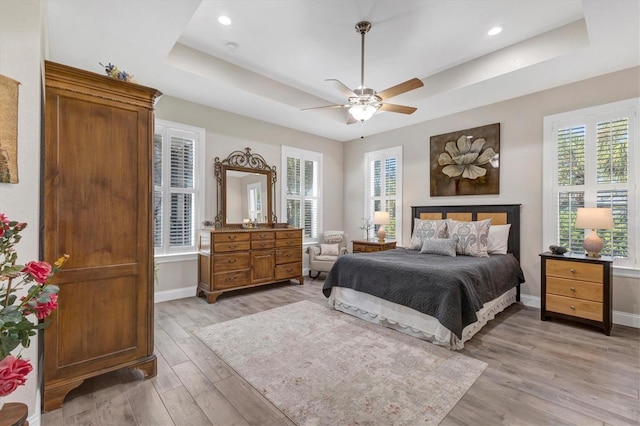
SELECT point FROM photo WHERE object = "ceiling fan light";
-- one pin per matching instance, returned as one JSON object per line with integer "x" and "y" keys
{"x": 362, "y": 112}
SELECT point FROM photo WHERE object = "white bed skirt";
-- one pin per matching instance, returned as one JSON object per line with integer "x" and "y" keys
{"x": 410, "y": 321}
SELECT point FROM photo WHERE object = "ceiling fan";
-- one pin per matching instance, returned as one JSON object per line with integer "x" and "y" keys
{"x": 363, "y": 101}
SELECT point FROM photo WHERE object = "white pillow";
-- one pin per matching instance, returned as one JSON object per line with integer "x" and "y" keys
{"x": 442, "y": 246}
{"x": 498, "y": 242}
{"x": 426, "y": 230}
{"x": 329, "y": 249}
{"x": 472, "y": 236}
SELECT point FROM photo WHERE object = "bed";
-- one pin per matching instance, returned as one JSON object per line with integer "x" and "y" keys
{"x": 442, "y": 299}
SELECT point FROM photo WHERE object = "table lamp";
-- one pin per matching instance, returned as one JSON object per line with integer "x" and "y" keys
{"x": 593, "y": 218}
{"x": 381, "y": 218}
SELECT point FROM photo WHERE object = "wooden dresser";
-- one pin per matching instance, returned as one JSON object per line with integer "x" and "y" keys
{"x": 230, "y": 259}
{"x": 97, "y": 207}
{"x": 364, "y": 246}
{"x": 578, "y": 288}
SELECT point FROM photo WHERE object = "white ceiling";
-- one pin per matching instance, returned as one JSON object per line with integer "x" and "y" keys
{"x": 285, "y": 49}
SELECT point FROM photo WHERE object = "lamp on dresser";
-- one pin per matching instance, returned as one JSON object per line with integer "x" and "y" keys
{"x": 594, "y": 218}
{"x": 382, "y": 219}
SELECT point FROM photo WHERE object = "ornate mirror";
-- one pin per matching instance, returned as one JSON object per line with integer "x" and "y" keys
{"x": 246, "y": 190}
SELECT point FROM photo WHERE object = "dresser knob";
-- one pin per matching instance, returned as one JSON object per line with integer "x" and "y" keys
{"x": 573, "y": 308}
{"x": 572, "y": 289}
{"x": 573, "y": 271}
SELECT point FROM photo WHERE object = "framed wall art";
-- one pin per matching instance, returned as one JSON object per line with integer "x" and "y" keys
{"x": 8, "y": 130}
{"x": 466, "y": 162}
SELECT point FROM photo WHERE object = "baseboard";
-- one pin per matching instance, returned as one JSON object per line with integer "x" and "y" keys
{"x": 178, "y": 293}
{"x": 622, "y": 318}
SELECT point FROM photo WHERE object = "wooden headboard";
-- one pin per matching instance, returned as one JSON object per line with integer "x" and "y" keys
{"x": 500, "y": 214}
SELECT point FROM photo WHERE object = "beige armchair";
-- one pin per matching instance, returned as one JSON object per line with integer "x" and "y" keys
{"x": 323, "y": 256}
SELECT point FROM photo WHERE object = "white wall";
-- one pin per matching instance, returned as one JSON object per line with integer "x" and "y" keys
{"x": 227, "y": 132}
{"x": 521, "y": 138}
{"x": 21, "y": 59}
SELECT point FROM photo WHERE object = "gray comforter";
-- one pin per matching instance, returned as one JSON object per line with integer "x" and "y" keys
{"x": 451, "y": 289}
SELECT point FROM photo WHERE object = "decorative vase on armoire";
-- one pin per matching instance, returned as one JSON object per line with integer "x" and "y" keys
{"x": 97, "y": 207}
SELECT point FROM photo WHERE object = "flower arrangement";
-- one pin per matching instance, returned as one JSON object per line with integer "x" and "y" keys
{"x": 113, "y": 72}
{"x": 17, "y": 314}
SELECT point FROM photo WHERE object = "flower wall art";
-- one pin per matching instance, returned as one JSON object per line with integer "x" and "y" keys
{"x": 466, "y": 162}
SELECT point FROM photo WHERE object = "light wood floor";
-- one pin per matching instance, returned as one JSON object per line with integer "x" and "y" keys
{"x": 543, "y": 373}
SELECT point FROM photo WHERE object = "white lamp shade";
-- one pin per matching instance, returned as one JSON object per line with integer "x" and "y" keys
{"x": 381, "y": 218}
{"x": 362, "y": 112}
{"x": 594, "y": 218}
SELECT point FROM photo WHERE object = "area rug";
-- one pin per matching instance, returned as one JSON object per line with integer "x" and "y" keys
{"x": 321, "y": 366}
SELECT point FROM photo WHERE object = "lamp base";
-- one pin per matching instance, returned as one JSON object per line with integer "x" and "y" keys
{"x": 593, "y": 244}
{"x": 381, "y": 234}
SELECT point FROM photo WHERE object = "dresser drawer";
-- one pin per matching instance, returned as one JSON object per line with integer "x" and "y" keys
{"x": 231, "y": 279}
{"x": 265, "y": 244}
{"x": 575, "y": 270}
{"x": 262, "y": 235}
{"x": 289, "y": 242}
{"x": 288, "y": 270}
{"x": 288, "y": 255}
{"x": 576, "y": 289}
{"x": 575, "y": 307}
{"x": 225, "y": 247}
{"x": 230, "y": 262}
{"x": 291, "y": 233}
{"x": 364, "y": 248}
{"x": 226, "y": 237}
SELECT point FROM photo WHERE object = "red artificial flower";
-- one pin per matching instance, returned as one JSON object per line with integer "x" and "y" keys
{"x": 39, "y": 271}
{"x": 43, "y": 310}
{"x": 13, "y": 373}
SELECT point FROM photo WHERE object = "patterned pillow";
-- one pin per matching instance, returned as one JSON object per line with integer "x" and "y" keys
{"x": 472, "y": 237}
{"x": 443, "y": 246}
{"x": 427, "y": 230}
{"x": 329, "y": 249}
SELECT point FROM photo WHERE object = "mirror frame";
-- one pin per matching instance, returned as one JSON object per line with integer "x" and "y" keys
{"x": 244, "y": 161}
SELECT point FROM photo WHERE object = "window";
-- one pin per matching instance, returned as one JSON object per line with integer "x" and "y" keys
{"x": 301, "y": 189}
{"x": 383, "y": 189}
{"x": 177, "y": 175}
{"x": 589, "y": 161}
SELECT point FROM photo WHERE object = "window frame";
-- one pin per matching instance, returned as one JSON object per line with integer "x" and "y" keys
{"x": 590, "y": 117}
{"x": 169, "y": 129}
{"x": 303, "y": 155}
{"x": 383, "y": 154}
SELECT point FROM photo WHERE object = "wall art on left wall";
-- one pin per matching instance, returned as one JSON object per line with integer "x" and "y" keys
{"x": 8, "y": 130}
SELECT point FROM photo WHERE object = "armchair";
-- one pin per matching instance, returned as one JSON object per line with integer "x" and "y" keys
{"x": 323, "y": 256}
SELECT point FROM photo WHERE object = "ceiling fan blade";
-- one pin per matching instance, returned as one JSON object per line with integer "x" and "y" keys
{"x": 401, "y": 88}
{"x": 343, "y": 88}
{"x": 326, "y": 106}
{"x": 398, "y": 108}
{"x": 350, "y": 119}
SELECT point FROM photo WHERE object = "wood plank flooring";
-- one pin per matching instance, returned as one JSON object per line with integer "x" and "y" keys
{"x": 540, "y": 373}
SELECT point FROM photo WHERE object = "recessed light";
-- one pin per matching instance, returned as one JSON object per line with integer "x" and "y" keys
{"x": 495, "y": 30}
{"x": 224, "y": 20}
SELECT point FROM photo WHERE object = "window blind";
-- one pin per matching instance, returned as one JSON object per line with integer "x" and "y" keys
{"x": 383, "y": 189}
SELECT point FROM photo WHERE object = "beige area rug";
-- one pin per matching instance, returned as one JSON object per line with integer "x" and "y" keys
{"x": 321, "y": 366}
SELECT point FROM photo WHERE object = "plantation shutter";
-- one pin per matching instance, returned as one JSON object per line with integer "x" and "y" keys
{"x": 302, "y": 190}
{"x": 383, "y": 188}
{"x": 157, "y": 190}
{"x": 182, "y": 197}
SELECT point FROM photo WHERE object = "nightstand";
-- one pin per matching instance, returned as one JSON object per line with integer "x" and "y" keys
{"x": 578, "y": 288}
{"x": 364, "y": 246}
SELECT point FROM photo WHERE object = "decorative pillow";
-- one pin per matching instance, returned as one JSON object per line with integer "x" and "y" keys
{"x": 329, "y": 249}
{"x": 472, "y": 237}
{"x": 332, "y": 237}
{"x": 427, "y": 230}
{"x": 498, "y": 242}
{"x": 443, "y": 246}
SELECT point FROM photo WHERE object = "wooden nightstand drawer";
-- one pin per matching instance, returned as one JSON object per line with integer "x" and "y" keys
{"x": 372, "y": 246}
{"x": 576, "y": 289}
{"x": 575, "y": 270}
{"x": 574, "y": 307}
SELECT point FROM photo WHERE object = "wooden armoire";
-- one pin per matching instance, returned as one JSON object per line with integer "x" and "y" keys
{"x": 97, "y": 207}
